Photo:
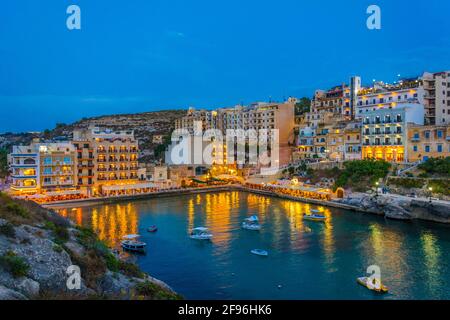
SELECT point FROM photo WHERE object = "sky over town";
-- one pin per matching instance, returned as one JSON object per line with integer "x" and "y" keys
{"x": 148, "y": 55}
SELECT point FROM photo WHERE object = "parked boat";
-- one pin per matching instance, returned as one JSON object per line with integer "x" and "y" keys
{"x": 260, "y": 252}
{"x": 314, "y": 215}
{"x": 251, "y": 223}
{"x": 152, "y": 229}
{"x": 201, "y": 233}
{"x": 377, "y": 287}
{"x": 131, "y": 243}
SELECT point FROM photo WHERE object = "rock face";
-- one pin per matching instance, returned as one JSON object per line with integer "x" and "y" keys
{"x": 8, "y": 294}
{"x": 47, "y": 262}
{"x": 401, "y": 208}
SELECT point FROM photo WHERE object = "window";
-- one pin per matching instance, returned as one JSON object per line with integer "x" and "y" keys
{"x": 439, "y": 148}
{"x": 415, "y": 148}
{"x": 439, "y": 134}
{"x": 427, "y": 148}
{"x": 427, "y": 134}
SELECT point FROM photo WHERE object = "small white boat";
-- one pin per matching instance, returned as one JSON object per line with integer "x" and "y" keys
{"x": 375, "y": 286}
{"x": 251, "y": 224}
{"x": 201, "y": 233}
{"x": 131, "y": 243}
{"x": 260, "y": 252}
{"x": 314, "y": 215}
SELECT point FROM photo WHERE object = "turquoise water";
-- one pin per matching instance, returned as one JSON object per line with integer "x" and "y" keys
{"x": 307, "y": 260}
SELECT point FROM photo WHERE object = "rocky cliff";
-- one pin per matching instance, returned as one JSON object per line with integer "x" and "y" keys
{"x": 38, "y": 252}
{"x": 400, "y": 208}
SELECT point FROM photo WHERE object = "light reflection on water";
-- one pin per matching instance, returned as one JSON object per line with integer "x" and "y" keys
{"x": 310, "y": 260}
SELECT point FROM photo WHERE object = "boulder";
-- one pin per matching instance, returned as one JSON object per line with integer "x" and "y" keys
{"x": 8, "y": 294}
{"x": 29, "y": 288}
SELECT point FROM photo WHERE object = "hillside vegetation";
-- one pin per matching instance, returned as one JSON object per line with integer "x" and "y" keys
{"x": 37, "y": 246}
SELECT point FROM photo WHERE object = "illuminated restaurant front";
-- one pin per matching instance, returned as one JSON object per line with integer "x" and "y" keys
{"x": 294, "y": 189}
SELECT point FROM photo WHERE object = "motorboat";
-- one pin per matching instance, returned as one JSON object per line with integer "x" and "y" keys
{"x": 314, "y": 215}
{"x": 201, "y": 233}
{"x": 260, "y": 252}
{"x": 376, "y": 286}
{"x": 152, "y": 229}
{"x": 131, "y": 243}
{"x": 251, "y": 223}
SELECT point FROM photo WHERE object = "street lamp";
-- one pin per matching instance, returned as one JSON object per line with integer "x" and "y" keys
{"x": 376, "y": 187}
{"x": 431, "y": 192}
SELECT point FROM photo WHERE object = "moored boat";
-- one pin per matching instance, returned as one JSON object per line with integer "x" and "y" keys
{"x": 131, "y": 243}
{"x": 314, "y": 215}
{"x": 152, "y": 229}
{"x": 375, "y": 286}
{"x": 260, "y": 252}
{"x": 251, "y": 223}
{"x": 201, "y": 233}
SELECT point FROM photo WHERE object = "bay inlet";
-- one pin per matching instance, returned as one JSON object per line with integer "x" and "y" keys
{"x": 307, "y": 260}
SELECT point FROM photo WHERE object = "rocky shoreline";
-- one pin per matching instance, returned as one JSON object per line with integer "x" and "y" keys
{"x": 37, "y": 248}
{"x": 383, "y": 205}
{"x": 400, "y": 208}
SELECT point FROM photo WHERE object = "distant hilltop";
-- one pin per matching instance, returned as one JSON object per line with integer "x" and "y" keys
{"x": 146, "y": 125}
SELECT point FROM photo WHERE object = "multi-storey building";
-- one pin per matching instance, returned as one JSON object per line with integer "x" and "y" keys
{"x": 436, "y": 87}
{"x": 382, "y": 95}
{"x": 385, "y": 130}
{"x": 258, "y": 116}
{"x": 352, "y": 141}
{"x": 43, "y": 168}
{"x": 105, "y": 158}
{"x": 429, "y": 141}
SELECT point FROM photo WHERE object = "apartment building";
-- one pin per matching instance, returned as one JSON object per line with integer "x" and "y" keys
{"x": 384, "y": 131}
{"x": 257, "y": 116}
{"x": 105, "y": 157}
{"x": 352, "y": 141}
{"x": 436, "y": 88}
{"x": 43, "y": 168}
{"x": 382, "y": 95}
{"x": 429, "y": 141}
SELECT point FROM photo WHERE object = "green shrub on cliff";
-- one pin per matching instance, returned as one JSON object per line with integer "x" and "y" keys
{"x": 14, "y": 264}
{"x": 148, "y": 290}
{"x": 407, "y": 183}
{"x": 3, "y": 163}
{"x": 7, "y": 229}
{"x": 436, "y": 166}
{"x": 440, "y": 186}
{"x": 362, "y": 174}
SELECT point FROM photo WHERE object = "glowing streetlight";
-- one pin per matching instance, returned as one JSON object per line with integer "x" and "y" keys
{"x": 431, "y": 192}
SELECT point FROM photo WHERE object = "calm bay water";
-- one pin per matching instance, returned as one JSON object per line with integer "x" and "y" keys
{"x": 307, "y": 260}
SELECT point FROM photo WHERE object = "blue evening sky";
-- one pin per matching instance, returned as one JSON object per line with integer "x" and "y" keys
{"x": 144, "y": 55}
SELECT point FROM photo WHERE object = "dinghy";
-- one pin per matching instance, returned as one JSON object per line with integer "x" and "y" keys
{"x": 260, "y": 252}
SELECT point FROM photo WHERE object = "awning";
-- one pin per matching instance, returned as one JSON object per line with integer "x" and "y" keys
{"x": 63, "y": 193}
{"x": 129, "y": 186}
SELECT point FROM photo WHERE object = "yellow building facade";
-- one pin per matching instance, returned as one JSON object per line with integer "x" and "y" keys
{"x": 425, "y": 142}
